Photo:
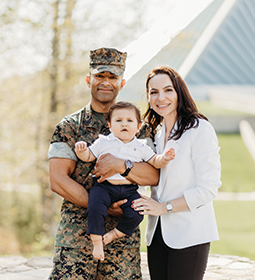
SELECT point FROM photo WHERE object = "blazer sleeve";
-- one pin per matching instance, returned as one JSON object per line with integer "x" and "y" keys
{"x": 207, "y": 166}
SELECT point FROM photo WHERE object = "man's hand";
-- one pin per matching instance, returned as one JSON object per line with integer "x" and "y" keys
{"x": 115, "y": 209}
{"x": 142, "y": 174}
{"x": 108, "y": 165}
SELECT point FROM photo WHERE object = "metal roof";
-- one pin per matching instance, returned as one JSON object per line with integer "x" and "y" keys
{"x": 229, "y": 57}
{"x": 217, "y": 47}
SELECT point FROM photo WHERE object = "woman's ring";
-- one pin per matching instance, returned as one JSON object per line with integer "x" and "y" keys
{"x": 148, "y": 207}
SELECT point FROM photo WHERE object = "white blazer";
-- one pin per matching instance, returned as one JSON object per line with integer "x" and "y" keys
{"x": 194, "y": 174}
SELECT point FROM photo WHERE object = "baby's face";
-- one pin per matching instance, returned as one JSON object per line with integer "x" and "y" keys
{"x": 124, "y": 124}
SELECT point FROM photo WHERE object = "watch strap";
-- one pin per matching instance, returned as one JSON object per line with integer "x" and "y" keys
{"x": 129, "y": 165}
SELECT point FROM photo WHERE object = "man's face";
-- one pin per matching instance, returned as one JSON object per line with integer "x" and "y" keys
{"x": 105, "y": 87}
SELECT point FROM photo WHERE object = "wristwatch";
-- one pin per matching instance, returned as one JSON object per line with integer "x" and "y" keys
{"x": 169, "y": 207}
{"x": 129, "y": 165}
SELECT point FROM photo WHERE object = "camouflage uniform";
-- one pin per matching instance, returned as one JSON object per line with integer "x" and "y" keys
{"x": 73, "y": 257}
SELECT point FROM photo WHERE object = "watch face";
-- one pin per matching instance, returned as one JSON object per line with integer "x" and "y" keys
{"x": 129, "y": 164}
{"x": 169, "y": 207}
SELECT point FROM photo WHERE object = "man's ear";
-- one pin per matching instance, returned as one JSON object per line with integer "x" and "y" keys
{"x": 88, "y": 79}
{"x": 123, "y": 82}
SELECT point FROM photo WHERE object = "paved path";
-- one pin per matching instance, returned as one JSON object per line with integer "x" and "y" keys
{"x": 219, "y": 267}
{"x": 38, "y": 268}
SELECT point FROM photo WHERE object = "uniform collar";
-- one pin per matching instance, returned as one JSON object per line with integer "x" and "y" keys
{"x": 90, "y": 119}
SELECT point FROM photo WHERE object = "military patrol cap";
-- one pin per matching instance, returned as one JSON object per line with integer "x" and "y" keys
{"x": 107, "y": 59}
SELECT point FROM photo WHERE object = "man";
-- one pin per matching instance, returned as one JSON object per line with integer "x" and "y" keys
{"x": 72, "y": 179}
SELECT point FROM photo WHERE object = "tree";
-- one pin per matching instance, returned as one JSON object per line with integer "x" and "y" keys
{"x": 44, "y": 54}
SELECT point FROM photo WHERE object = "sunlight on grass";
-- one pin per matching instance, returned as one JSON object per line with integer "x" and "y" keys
{"x": 236, "y": 225}
{"x": 143, "y": 247}
{"x": 237, "y": 164}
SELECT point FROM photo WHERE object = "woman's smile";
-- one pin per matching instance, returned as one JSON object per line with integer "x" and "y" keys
{"x": 163, "y": 106}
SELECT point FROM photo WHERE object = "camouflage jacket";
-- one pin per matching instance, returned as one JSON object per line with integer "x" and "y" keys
{"x": 85, "y": 125}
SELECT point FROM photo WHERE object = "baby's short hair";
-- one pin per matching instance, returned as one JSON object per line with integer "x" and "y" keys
{"x": 124, "y": 105}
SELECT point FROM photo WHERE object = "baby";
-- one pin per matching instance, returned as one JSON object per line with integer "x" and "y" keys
{"x": 124, "y": 120}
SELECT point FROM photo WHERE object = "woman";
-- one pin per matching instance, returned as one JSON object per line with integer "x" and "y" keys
{"x": 181, "y": 221}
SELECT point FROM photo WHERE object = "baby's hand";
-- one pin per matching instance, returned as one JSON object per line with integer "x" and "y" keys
{"x": 80, "y": 146}
{"x": 169, "y": 154}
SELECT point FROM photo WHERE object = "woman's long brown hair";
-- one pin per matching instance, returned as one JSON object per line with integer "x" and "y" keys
{"x": 187, "y": 112}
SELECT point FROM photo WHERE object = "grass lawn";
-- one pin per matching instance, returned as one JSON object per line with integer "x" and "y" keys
{"x": 143, "y": 247}
{"x": 236, "y": 224}
{"x": 238, "y": 167}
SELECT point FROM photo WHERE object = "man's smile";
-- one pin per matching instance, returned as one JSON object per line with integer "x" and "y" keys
{"x": 105, "y": 89}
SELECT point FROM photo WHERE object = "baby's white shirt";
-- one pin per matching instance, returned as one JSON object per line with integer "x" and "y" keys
{"x": 136, "y": 150}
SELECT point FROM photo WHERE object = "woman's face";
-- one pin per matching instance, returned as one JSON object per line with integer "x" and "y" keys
{"x": 162, "y": 96}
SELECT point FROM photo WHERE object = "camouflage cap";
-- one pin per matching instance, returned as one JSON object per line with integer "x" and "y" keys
{"x": 107, "y": 59}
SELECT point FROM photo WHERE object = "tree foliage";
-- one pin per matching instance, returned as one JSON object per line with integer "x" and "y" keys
{"x": 44, "y": 60}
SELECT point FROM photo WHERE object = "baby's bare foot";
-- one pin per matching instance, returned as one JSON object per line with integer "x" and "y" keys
{"x": 111, "y": 235}
{"x": 98, "y": 250}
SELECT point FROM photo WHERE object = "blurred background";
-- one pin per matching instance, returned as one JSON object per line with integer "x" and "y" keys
{"x": 43, "y": 64}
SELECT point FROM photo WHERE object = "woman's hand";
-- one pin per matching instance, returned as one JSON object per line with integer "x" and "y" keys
{"x": 148, "y": 206}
